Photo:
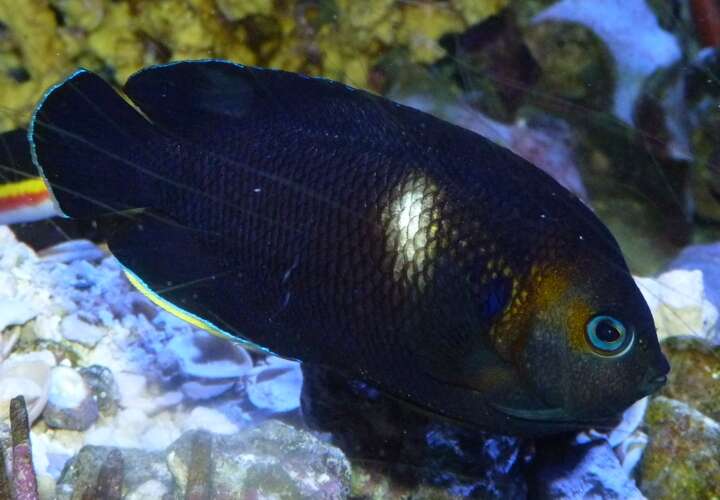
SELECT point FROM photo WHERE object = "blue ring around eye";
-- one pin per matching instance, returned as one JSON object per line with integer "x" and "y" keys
{"x": 606, "y": 347}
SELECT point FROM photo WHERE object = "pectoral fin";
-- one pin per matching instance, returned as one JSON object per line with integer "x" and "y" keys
{"x": 541, "y": 414}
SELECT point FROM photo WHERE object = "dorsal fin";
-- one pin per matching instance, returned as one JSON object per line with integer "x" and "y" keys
{"x": 190, "y": 98}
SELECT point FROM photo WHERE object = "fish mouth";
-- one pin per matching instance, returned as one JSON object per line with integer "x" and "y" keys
{"x": 653, "y": 385}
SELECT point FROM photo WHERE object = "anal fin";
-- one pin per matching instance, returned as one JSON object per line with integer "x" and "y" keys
{"x": 181, "y": 270}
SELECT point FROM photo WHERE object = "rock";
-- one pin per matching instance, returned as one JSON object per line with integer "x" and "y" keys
{"x": 630, "y": 451}
{"x": 679, "y": 305}
{"x": 273, "y": 460}
{"x": 703, "y": 99}
{"x": 695, "y": 375}
{"x": 199, "y": 391}
{"x": 202, "y": 355}
{"x": 73, "y": 250}
{"x": 102, "y": 384}
{"x": 275, "y": 387}
{"x": 131, "y": 387}
{"x": 75, "y": 329}
{"x": 20, "y": 300}
{"x": 209, "y": 419}
{"x": 15, "y": 312}
{"x": 632, "y": 418}
{"x": 51, "y": 454}
{"x": 547, "y": 142}
{"x": 625, "y": 439}
{"x": 590, "y": 470}
{"x": 706, "y": 259}
{"x": 636, "y": 57}
{"x": 488, "y": 55}
{"x": 127, "y": 429}
{"x": 682, "y": 459}
{"x": 149, "y": 489}
{"x": 139, "y": 468}
{"x": 28, "y": 375}
{"x": 70, "y": 402}
{"x": 577, "y": 68}
{"x": 405, "y": 453}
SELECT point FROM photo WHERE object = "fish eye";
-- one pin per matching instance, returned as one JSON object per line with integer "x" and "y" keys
{"x": 608, "y": 336}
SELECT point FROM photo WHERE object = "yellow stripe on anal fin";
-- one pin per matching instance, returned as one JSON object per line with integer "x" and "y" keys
{"x": 186, "y": 316}
{"x": 31, "y": 185}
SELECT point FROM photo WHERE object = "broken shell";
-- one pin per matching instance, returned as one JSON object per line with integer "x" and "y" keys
{"x": 27, "y": 375}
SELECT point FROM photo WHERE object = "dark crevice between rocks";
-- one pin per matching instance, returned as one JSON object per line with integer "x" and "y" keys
{"x": 417, "y": 453}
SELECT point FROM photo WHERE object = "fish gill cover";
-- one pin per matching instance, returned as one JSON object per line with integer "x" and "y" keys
{"x": 616, "y": 100}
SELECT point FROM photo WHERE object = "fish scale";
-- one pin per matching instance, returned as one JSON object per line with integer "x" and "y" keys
{"x": 341, "y": 229}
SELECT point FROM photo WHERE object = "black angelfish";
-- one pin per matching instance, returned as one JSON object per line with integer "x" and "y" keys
{"x": 335, "y": 227}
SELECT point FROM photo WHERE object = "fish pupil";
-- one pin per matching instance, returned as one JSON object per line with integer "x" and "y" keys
{"x": 607, "y": 332}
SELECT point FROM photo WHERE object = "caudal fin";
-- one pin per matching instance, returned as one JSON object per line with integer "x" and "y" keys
{"x": 96, "y": 152}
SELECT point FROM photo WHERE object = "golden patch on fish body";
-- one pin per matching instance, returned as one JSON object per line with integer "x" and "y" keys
{"x": 530, "y": 298}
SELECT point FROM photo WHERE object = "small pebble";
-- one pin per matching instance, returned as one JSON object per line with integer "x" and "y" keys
{"x": 75, "y": 329}
{"x": 70, "y": 402}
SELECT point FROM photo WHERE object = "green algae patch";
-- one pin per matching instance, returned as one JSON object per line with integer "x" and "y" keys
{"x": 695, "y": 375}
{"x": 682, "y": 459}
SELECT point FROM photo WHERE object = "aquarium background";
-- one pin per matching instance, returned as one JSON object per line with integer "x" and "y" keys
{"x": 618, "y": 100}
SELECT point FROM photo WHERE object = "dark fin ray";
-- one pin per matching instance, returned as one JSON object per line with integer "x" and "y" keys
{"x": 92, "y": 147}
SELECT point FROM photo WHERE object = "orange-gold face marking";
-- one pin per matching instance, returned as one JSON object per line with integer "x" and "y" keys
{"x": 532, "y": 299}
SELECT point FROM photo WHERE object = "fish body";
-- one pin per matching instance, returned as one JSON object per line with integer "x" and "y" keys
{"x": 341, "y": 229}
{"x": 23, "y": 195}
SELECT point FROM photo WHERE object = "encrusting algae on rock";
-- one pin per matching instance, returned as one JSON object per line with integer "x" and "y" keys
{"x": 42, "y": 41}
{"x": 683, "y": 457}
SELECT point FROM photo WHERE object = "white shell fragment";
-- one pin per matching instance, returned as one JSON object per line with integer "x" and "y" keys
{"x": 75, "y": 329}
{"x": 679, "y": 305}
{"x": 276, "y": 386}
{"x": 27, "y": 375}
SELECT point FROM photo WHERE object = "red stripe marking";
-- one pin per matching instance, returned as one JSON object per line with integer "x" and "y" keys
{"x": 23, "y": 200}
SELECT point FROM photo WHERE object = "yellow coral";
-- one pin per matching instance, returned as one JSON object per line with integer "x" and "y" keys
{"x": 238, "y": 9}
{"x": 83, "y": 14}
{"x": 179, "y": 26}
{"x": 32, "y": 25}
{"x": 340, "y": 39}
{"x": 423, "y": 24}
{"x": 475, "y": 11}
{"x": 116, "y": 43}
{"x": 363, "y": 15}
